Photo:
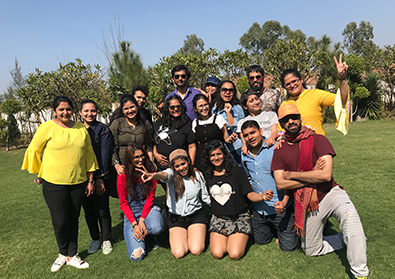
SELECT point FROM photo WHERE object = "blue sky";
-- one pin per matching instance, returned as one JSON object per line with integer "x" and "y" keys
{"x": 42, "y": 34}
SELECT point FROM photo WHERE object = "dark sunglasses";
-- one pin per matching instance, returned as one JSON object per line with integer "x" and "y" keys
{"x": 224, "y": 89}
{"x": 180, "y": 76}
{"x": 285, "y": 119}
{"x": 252, "y": 78}
{"x": 175, "y": 107}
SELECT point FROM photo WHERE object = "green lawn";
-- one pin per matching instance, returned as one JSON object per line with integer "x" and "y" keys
{"x": 364, "y": 166}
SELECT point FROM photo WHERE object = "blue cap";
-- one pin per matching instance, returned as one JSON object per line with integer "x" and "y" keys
{"x": 214, "y": 80}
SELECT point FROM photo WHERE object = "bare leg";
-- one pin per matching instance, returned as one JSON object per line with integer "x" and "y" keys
{"x": 237, "y": 243}
{"x": 196, "y": 238}
{"x": 178, "y": 238}
{"x": 218, "y": 243}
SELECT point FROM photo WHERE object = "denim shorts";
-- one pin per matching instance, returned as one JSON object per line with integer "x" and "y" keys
{"x": 185, "y": 221}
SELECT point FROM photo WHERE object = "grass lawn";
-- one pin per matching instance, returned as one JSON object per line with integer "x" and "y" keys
{"x": 364, "y": 166}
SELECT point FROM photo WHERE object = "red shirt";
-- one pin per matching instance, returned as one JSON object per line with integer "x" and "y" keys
{"x": 287, "y": 158}
{"x": 124, "y": 202}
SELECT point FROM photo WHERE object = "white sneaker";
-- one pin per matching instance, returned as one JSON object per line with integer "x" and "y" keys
{"x": 94, "y": 246}
{"x": 77, "y": 262}
{"x": 59, "y": 262}
{"x": 106, "y": 247}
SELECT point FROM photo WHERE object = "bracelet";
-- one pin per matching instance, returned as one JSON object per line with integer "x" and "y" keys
{"x": 135, "y": 224}
{"x": 341, "y": 78}
{"x": 92, "y": 181}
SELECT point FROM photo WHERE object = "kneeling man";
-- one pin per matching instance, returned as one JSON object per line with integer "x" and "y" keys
{"x": 257, "y": 166}
{"x": 304, "y": 164}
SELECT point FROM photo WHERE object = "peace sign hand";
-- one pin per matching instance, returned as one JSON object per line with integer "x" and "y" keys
{"x": 341, "y": 67}
{"x": 145, "y": 175}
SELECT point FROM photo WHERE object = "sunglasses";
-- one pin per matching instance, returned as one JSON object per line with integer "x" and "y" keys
{"x": 224, "y": 89}
{"x": 285, "y": 119}
{"x": 175, "y": 107}
{"x": 292, "y": 82}
{"x": 252, "y": 78}
{"x": 142, "y": 156}
{"x": 180, "y": 76}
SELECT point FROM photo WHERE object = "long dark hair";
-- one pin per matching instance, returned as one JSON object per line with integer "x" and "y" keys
{"x": 221, "y": 103}
{"x": 131, "y": 178}
{"x": 195, "y": 100}
{"x": 179, "y": 185}
{"x": 228, "y": 162}
{"x": 166, "y": 119}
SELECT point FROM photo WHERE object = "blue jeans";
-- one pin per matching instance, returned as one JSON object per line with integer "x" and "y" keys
{"x": 153, "y": 223}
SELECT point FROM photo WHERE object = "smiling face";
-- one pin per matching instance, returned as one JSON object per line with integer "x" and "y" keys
{"x": 181, "y": 166}
{"x": 203, "y": 108}
{"x": 211, "y": 88}
{"x": 253, "y": 136}
{"x": 180, "y": 78}
{"x": 130, "y": 110}
{"x": 140, "y": 98}
{"x": 293, "y": 85}
{"x": 63, "y": 112}
{"x": 227, "y": 92}
{"x": 253, "y": 105}
{"x": 138, "y": 159}
{"x": 217, "y": 157}
{"x": 255, "y": 80}
{"x": 291, "y": 124}
{"x": 175, "y": 108}
{"x": 88, "y": 113}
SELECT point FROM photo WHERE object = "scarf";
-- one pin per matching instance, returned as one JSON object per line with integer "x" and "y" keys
{"x": 305, "y": 198}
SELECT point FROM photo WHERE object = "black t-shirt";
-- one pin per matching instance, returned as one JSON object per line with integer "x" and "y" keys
{"x": 229, "y": 193}
{"x": 168, "y": 139}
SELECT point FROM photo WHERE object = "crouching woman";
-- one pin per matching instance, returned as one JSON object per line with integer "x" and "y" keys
{"x": 142, "y": 216}
{"x": 186, "y": 191}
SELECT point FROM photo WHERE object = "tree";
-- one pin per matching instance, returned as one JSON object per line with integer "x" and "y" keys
{"x": 193, "y": 44}
{"x": 385, "y": 65}
{"x": 258, "y": 39}
{"x": 18, "y": 81}
{"x": 233, "y": 64}
{"x": 126, "y": 71}
{"x": 10, "y": 131}
{"x": 290, "y": 54}
{"x": 74, "y": 80}
{"x": 358, "y": 40}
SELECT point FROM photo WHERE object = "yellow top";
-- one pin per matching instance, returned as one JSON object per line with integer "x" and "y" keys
{"x": 310, "y": 103}
{"x": 68, "y": 154}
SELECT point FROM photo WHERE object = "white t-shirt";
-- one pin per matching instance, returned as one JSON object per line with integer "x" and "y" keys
{"x": 265, "y": 120}
{"x": 220, "y": 121}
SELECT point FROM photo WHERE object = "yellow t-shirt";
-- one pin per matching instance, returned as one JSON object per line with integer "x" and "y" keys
{"x": 68, "y": 154}
{"x": 310, "y": 103}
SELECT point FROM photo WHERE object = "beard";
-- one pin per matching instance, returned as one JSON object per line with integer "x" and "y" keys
{"x": 256, "y": 86}
{"x": 294, "y": 130}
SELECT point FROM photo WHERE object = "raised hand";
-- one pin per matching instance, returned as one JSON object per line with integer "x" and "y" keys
{"x": 228, "y": 107}
{"x": 267, "y": 195}
{"x": 145, "y": 175}
{"x": 341, "y": 67}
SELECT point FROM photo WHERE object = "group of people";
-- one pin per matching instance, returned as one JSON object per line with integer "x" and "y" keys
{"x": 209, "y": 147}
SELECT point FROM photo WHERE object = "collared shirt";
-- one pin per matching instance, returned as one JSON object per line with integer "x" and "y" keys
{"x": 261, "y": 178}
{"x": 191, "y": 93}
{"x": 191, "y": 200}
{"x": 103, "y": 146}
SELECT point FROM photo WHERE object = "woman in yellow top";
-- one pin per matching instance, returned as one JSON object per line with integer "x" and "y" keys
{"x": 310, "y": 102}
{"x": 67, "y": 163}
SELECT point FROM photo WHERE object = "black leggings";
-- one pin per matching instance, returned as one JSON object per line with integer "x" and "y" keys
{"x": 64, "y": 203}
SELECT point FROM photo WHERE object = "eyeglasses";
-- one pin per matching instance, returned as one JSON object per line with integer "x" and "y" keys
{"x": 252, "y": 78}
{"x": 175, "y": 107}
{"x": 142, "y": 156}
{"x": 224, "y": 89}
{"x": 292, "y": 82}
{"x": 180, "y": 76}
{"x": 285, "y": 119}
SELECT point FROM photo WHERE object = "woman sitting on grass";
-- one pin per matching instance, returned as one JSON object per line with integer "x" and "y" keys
{"x": 186, "y": 190}
{"x": 136, "y": 198}
{"x": 229, "y": 188}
